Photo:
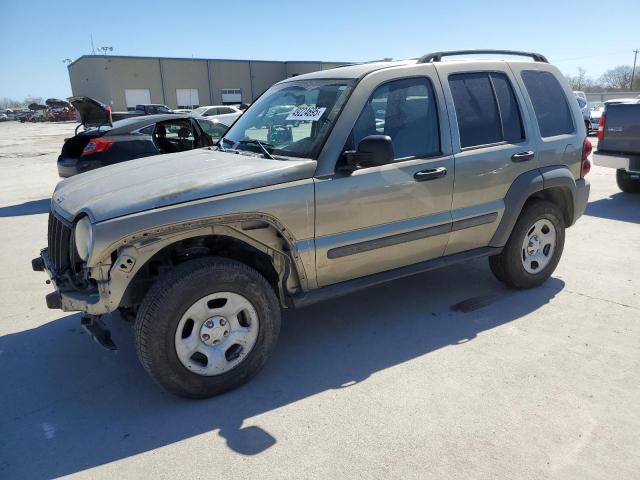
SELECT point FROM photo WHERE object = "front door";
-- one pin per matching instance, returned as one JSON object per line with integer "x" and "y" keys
{"x": 383, "y": 217}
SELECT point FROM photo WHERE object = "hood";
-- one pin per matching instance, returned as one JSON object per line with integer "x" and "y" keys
{"x": 163, "y": 180}
{"x": 92, "y": 112}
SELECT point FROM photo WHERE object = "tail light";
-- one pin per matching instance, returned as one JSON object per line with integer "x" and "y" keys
{"x": 601, "y": 126}
{"x": 585, "y": 164}
{"x": 97, "y": 145}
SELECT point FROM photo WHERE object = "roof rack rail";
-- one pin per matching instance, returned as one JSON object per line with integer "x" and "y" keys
{"x": 437, "y": 56}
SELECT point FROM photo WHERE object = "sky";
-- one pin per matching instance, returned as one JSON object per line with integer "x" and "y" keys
{"x": 35, "y": 36}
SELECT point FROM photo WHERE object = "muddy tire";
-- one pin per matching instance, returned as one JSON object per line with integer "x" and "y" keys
{"x": 207, "y": 327}
{"x": 534, "y": 248}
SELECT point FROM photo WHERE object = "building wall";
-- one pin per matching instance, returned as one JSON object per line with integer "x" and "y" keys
{"x": 265, "y": 74}
{"x": 230, "y": 74}
{"x": 106, "y": 78}
{"x": 185, "y": 74}
{"x": 129, "y": 73}
{"x": 89, "y": 78}
{"x": 300, "y": 68}
{"x": 604, "y": 96}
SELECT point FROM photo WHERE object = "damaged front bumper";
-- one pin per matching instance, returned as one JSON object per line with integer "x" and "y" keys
{"x": 66, "y": 297}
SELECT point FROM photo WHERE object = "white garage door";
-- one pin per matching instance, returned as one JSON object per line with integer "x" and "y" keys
{"x": 231, "y": 95}
{"x": 187, "y": 97}
{"x": 137, "y": 96}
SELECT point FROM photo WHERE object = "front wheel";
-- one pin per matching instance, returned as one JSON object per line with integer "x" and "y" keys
{"x": 207, "y": 327}
{"x": 534, "y": 247}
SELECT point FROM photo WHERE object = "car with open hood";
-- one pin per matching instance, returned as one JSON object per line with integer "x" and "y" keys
{"x": 328, "y": 183}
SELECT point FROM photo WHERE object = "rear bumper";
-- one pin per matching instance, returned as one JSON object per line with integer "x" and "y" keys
{"x": 619, "y": 161}
{"x": 580, "y": 198}
{"x": 67, "y": 167}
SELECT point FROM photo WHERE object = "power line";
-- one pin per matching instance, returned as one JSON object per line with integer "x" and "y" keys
{"x": 633, "y": 71}
{"x": 589, "y": 56}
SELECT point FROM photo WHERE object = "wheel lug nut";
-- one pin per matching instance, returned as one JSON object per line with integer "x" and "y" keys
{"x": 223, "y": 322}
{"x": 226, "y": 332}
{"x": 209, "y": 324}
{"x": 205, "y": 337}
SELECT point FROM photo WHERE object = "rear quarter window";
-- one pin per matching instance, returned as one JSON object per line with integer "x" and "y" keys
{"x": 549, "y": 103}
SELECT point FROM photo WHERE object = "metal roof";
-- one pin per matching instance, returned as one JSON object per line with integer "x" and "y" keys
{"x": 203, "y": 59}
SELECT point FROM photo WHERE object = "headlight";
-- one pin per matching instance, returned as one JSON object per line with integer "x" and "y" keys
{"x": 83, "y": 236}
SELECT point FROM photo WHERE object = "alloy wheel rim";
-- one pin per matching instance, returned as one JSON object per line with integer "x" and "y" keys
{"x": 538, "y": 246}
{"x": 216, "y": 333}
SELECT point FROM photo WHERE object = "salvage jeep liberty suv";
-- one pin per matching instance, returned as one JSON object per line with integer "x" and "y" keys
{"x": 378, "y": 171}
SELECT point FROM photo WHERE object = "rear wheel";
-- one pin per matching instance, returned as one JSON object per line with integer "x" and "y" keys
{"x": 534, "y": 247}
{"x": 626, "y": 183}
{"x": 207, "y": 327}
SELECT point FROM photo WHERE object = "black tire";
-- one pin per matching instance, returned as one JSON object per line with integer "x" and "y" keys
{"x": 626, "y": 183}
{"x": 173, "y": 294}
{"x": 508, "y": 265}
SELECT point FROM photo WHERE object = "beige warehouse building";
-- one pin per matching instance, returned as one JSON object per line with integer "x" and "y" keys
{"x": 124, "y": 82}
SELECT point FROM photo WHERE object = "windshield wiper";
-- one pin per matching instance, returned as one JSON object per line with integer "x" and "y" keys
{"x": 261, "y": 145}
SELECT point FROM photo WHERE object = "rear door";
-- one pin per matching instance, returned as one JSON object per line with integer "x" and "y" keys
{"x": 493, "y": 144}
{"x": 384, "y": 217}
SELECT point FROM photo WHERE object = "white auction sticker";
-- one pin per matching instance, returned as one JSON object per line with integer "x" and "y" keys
{"x": 306, "y": 113}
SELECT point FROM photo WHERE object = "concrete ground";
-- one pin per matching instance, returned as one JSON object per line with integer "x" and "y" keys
{"x": 444, "y": 375}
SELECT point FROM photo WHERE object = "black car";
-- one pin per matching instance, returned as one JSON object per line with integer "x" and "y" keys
{"x": 105, "y": 142}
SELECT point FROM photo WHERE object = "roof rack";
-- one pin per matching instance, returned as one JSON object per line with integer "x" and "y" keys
{"x": 437, "y": 56}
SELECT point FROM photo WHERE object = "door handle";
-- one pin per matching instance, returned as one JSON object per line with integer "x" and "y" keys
{"x": 430, "y": 174}
{"x": 522, "y": 156}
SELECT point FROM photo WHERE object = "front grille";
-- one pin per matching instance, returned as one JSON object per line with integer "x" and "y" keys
{"x": 59, "y": 242}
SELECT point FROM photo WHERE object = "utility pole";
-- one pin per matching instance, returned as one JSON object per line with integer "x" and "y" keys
{"x": 633, "y": 72}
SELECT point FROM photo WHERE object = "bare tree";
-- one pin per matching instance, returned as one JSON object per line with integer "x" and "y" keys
{"x": 31, "y": 99}
{"x": 580, "y": 81}
{"x": 6, "y": 102}
{"x": 618, "y": 78}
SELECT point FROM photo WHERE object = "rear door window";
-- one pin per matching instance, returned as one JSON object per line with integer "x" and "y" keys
{"x": 549, "y": 103}
{"x": 508, "y": 107}
{"x": 486, "y": 109}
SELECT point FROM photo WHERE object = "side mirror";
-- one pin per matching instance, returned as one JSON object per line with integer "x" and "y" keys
{"x": 372, "y": 151}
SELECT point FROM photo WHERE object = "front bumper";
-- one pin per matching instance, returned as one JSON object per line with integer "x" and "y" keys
{"x": 65, "y": 297}
{"x": 619, "y": 161}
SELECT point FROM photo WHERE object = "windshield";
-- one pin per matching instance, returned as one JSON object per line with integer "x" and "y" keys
{"x": 291, "y": 119}
{"x": 214, "y": 129}
{"x": 199, "y": 111}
